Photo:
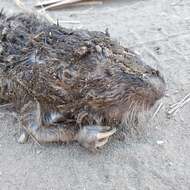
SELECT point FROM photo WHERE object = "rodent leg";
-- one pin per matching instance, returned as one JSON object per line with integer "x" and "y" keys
{"x": 94, "y": 136}
{"x": 32, "y": 123}
{"x": 50, "y": 118}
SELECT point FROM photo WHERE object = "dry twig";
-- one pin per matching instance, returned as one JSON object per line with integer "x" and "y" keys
{"x": 61, "y": 4}
{"x": 20, "y": 4}
{"x": 57, "y": 4}
{"x": 157, "y": 110}
{"x": 45, "y": 3}
{"x": 175, "y": 107}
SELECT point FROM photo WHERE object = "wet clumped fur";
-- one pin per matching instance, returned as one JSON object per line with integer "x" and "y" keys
{"x": 72, "y": 84}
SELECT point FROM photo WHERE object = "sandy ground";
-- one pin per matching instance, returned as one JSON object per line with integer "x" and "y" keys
{"x": 156, "y": 159}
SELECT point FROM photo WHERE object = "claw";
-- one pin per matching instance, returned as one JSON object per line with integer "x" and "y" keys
{"x": 106, "y": 134}
{"x": 101, "y": 143}
{"x": 23, "y": 138}
{"x": 93, "y": 137}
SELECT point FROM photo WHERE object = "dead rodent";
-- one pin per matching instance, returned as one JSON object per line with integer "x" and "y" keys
{"x": 71, "y": 85}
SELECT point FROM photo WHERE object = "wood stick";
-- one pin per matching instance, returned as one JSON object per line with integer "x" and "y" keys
{"x": 69, "y": 21}
{"x": 45, "y": 3}
{"x": 87, "y": 3}
{"x": 157, "y": 110}
{"x": 20, "y": 4}
{"x": 77, "y": 4}
{"x": 178, "y": 105}
{"x": 61, "y": 4}
{"x": 186, "y": 97}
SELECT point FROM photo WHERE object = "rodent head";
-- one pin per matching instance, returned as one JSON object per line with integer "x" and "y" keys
{"x": 125, "y": 84}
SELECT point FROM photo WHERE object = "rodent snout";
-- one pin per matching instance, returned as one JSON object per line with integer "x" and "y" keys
{"x": 156, "y": 73}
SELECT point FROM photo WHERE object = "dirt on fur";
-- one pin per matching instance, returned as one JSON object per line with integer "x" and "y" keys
{"x": 158, "y": 157}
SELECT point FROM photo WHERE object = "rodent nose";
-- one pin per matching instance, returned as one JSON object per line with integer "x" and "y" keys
{"x": 156, "y": 73}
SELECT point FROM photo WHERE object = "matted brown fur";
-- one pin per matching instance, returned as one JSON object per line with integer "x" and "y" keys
{"x": 85, "y": 76}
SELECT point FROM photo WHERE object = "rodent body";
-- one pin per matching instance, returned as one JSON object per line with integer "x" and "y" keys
{"x": 71, "y": 82}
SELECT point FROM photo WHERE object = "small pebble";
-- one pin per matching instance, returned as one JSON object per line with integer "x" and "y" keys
{"x": 160, "y": 142}
{"x": 159, "y": 29}
{"x": 170, "y": 163}
{"x": 38, "y": 151}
